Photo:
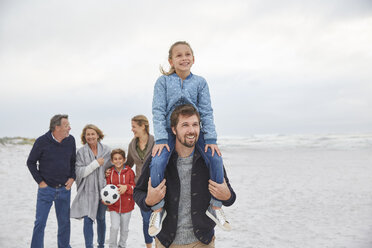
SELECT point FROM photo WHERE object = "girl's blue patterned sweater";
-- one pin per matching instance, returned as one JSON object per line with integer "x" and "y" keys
{"x": 169, "y": 92}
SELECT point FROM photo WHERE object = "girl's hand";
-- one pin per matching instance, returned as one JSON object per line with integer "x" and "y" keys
{"x": 214, "y": 148}
{"x": 101, "y": 161}
{"x": 158, "y": 148}
{"x": 108, "y": 172}
{"x": 122, "y": 188}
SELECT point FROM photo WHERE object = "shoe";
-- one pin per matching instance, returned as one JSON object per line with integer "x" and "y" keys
{"x": 219, "y": 217}
{"x": 156, "y": 221}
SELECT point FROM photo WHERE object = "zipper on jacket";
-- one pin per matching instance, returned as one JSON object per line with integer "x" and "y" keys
{"x": 120, "y": 196}
{"x": 124, "y": 183}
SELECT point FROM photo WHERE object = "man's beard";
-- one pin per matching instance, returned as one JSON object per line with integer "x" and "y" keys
{"x": 184, "y": 142}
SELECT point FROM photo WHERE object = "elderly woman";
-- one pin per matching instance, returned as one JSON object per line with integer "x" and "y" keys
{"x": 139, "y": 150}
{"x": 91, "y": 161}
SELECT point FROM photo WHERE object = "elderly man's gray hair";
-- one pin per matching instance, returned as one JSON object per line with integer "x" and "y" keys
{"x": 56, "y": 121}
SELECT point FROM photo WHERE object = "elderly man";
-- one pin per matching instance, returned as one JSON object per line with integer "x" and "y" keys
{"x": 186, "y": 189}
{"x": 52, "y": 165}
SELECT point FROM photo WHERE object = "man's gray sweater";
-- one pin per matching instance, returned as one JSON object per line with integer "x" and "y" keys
{"x": 185, "y": 233}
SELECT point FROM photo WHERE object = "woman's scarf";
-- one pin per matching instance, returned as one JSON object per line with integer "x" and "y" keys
{"x": 88, "y": 188}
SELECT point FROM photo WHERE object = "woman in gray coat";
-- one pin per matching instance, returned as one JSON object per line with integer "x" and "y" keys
{"x": 139, "y": 150}
{"x": 91, "y": 161}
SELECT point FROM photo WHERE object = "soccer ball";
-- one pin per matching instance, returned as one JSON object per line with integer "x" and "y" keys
{"x": 110, "y": 194}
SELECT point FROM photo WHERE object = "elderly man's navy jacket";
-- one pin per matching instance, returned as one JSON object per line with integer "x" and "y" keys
{"x": 200, "y": 198}
{"x": 51, "y": 161}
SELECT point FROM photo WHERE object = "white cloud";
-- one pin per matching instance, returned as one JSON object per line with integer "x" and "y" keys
{"x": 288, "y": 61}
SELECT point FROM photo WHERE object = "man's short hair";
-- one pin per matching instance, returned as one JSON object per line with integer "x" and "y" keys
{"x": 185, "y": 110}
{"x": 56, "y": 121}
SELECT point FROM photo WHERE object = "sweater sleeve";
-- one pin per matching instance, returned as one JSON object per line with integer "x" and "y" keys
{"x": 83, "y": 170}
{"x": 73, "y": 160}
{"x": 159, "y": 111}
{"x": 32, "y": 160}
{"x": 130, "y": 160}
{"x": 206, "y": 113}
{"x": 90, "y": 168}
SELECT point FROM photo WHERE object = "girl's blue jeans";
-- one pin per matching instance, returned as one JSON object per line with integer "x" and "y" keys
{"x": 159, "y": 163}
{"x": 146, "y": 221}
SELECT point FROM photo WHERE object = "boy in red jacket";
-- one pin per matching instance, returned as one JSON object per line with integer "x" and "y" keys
{"x": 123, "y": 178}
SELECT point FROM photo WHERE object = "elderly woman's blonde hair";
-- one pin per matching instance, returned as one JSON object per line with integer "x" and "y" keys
{"x": 95, "y": 128}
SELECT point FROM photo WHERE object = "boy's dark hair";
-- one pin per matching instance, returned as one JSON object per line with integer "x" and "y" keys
{"x": 185, "y": 110}
{"x": 118, "y": 151}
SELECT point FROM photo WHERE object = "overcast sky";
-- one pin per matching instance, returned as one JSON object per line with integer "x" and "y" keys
{"x": 273, "y": 67}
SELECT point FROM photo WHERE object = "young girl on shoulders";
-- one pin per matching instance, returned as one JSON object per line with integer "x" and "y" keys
{"x": 179, "y": 86}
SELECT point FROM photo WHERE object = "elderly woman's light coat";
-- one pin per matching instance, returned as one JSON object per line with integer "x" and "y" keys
{"x": 90, "y": 179}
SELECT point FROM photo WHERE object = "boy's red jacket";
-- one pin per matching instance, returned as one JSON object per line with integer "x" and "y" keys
{"x": 126, "y": 177}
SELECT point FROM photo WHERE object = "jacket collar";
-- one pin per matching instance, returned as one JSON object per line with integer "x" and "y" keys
{"x": 133, "y": 147}
{"x": 51, "y": 138}
{"x": 188, "y": 77}
{"x": 125, "y": 168}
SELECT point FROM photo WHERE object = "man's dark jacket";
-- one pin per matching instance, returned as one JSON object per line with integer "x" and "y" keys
{"x": 200, "y": 198}
{"x": 51, "y": 161}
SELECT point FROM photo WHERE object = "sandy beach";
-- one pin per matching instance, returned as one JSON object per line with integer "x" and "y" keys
{"x": 291, "y": 193}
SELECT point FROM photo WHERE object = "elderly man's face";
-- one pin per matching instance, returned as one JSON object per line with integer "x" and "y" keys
{"x": 187, "y": 130}
{"x": 64, "y": 129}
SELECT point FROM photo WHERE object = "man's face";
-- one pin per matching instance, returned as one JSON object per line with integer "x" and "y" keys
{"x": 187, "y": 130}
{"x": 64, "y": 129}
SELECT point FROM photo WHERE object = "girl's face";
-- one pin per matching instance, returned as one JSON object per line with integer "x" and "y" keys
{"x": 91, "y": 136}
{"x": 137, "y": 130}
{"x": 118, "y": 161}
{"x": 182, "y": 58}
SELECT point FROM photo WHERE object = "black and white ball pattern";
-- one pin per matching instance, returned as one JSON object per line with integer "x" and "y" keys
{"x": 110, "y": 194}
